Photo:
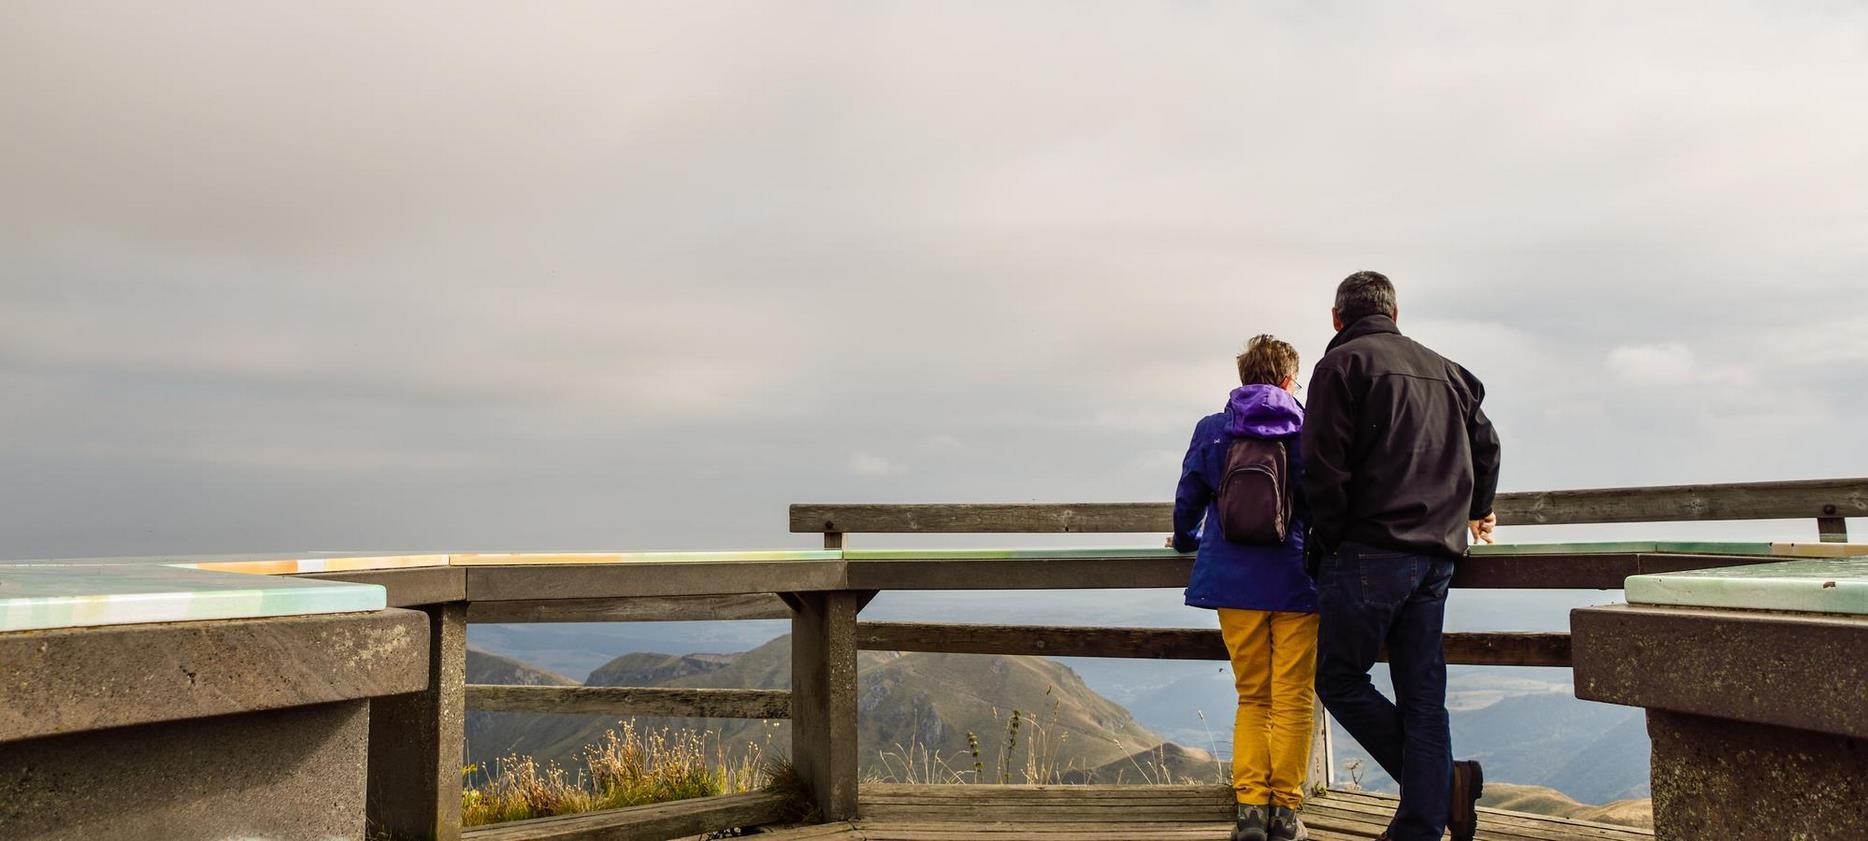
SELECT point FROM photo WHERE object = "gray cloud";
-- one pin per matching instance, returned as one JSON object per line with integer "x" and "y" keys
{"x": 637, "y": 275}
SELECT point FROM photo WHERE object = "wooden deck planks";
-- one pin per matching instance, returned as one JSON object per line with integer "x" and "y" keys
{"x": 1126, "y": 813}
{"x": 678, "y": 819}
{"x": 893, "y": 812}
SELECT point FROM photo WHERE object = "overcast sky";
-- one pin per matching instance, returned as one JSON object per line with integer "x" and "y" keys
{"x": 637, "y": 275}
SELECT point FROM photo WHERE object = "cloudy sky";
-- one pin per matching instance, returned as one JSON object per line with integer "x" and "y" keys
{"x": 637, "y": 275}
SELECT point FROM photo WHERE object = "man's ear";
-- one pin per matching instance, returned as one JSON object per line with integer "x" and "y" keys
{"x": 1394, "y": 315}
{"x": 1336, "y": 320}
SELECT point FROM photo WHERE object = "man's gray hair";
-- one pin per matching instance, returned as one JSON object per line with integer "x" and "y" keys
{"x": 1363, "y": 294}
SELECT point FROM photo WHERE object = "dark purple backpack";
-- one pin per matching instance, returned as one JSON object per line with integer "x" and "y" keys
{"x": 1255, "y": 492}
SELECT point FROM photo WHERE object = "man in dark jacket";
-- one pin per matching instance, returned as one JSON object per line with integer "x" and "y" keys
{"x": 1402, "y": 468}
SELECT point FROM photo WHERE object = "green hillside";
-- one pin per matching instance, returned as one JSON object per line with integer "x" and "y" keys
{"x": 916, "y": 711}
{"x": 492, "y": 668}
{"x": 1539, "y": 800}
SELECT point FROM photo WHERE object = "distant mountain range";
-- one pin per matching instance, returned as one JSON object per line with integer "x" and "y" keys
{"x": 1522, "y": 722}
{"x": 1594, "y": 753}
{"x": 917, "y": 713}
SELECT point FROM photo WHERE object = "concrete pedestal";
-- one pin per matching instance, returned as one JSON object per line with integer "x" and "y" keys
{"x": 1758, "y": 719}
{"x": 282, "y": 775}
{"x": 199, "y": 731}
{"x": 1716, "y": 778}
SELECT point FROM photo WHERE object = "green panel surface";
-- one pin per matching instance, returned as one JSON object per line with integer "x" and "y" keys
{"x": 1482, "y": 550}
{"x": 210, "y": 561}
{"x": 65, "y": 596}
{"x": 1819, "y": 585}
{"x": 586, "y": 558}
{"x": 1623, "y": 547}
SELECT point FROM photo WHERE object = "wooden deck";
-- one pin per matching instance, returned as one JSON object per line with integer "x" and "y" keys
{"x": 1136, "y": 813}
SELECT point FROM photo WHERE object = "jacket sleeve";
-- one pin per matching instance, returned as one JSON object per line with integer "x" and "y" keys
{"x": 1329, "y": 426}
{"x": 1190, "y": 498}
{"x": 1485, "y": 451}
{"x": 1300, "y": 501}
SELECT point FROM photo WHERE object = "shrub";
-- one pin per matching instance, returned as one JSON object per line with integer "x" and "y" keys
{"x": 628, "y": 767}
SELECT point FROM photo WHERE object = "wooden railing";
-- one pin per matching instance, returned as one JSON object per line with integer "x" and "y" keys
{"x": 823, "y": 600}
{"x": 1828, "y": 501}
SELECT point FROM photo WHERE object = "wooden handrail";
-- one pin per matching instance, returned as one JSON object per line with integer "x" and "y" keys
{"x": 638, "y": 609}
{"x": 1469, "y": 649}
{"x": 1815, "y": 498}
{"x": 631, "y": 700}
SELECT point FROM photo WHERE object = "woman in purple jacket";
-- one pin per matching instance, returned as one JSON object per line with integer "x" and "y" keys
{"x": 1266, "y": 601}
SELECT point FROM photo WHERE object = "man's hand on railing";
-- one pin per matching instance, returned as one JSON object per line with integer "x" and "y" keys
{"x": 1482, "y": 528}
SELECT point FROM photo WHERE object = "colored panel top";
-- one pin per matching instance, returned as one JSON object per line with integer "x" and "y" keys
{"x": 1073, "y": 553}
{"x": 561, "y": 558}
{"x": 66, "y": 596}
{"x": 264, "y": 564}
{"x": 1817, "y": 585}
{"x": 294, "y": 566}
{"x": 1820, "y": 550}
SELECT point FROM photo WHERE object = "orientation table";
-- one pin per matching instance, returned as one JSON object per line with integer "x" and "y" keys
{"x": 244, "y": 691}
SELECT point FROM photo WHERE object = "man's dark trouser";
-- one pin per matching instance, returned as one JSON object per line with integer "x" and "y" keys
{"x": 1367, "y": 597}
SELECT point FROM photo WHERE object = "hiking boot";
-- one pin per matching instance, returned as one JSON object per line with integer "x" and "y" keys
{"x": 1251, "y": 824}
{"x": 1284, "y": 825}
{"x": 1462, "y": 817}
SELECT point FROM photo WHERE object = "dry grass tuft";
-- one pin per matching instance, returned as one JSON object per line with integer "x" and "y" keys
{"x": 629, "y": 767}
{"x": 1032, "y": 752}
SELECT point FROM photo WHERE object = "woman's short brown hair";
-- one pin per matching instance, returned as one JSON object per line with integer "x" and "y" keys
{"x": 1267, "y": 360}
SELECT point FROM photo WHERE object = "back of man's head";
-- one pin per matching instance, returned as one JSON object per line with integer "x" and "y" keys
{"x": 1363, "y": 294}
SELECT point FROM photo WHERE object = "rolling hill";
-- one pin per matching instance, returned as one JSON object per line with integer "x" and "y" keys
{"x": 916, "y": 711}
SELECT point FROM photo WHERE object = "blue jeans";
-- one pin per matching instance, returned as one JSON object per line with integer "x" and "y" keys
{"x": 1368, "y": 597}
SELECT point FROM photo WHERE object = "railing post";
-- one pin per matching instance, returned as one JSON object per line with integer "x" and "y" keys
{"x": 823, "y": 697}
{"x": 1322, "y": 753}
{"x": 418, "y": 741}
{"x": 1832, "y": 529}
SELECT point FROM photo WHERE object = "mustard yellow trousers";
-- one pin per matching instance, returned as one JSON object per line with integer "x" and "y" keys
{"x": 1274, "y": 666}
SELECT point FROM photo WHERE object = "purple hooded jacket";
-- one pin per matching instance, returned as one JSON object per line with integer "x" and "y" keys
{"x": 1235, "y": 575}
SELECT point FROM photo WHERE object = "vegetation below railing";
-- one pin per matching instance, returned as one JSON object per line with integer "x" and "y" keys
{"x": 1033, "y": 749}
{"x": 628, "y": 767}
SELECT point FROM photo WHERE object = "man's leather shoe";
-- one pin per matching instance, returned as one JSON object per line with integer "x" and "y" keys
{"x": 1462, "y": 817}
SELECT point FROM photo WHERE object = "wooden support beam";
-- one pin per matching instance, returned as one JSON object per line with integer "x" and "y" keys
{"x": 631, "y": 701}
{"x": 418, "y": 742}
{"x": 1735, "y": 501}
{"x": 407, "y": 587}
{"x": 640, "y": 609}
{"x": 1832, "y": 529}
{"x": 631, "y": 579}
{"x": 823, "y": 687}
{"x": 1471, "y": 649}
{"x": 677, "y": 819}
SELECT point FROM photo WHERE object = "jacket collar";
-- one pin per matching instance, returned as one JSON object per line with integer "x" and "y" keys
{"x": 1367, "y": 325}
